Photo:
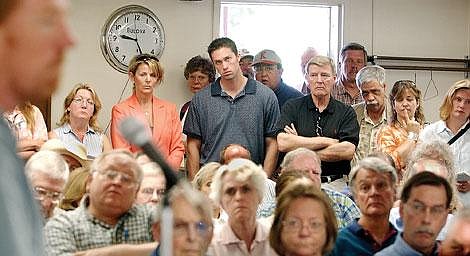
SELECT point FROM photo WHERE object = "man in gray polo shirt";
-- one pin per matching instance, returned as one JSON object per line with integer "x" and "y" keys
{"x": 233, "y": 109}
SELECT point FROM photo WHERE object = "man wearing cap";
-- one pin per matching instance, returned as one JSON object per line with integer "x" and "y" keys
{"x": 268, "y": 70}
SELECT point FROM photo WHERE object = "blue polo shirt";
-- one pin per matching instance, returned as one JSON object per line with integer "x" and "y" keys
{"x": 284, "y": 93}
{"x": 217, "y": 119}
{"x": 400, "y": 247}
{"x": 355, "y": 240}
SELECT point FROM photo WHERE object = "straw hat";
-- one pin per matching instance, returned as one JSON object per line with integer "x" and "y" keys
{"x": 74, "y": 150}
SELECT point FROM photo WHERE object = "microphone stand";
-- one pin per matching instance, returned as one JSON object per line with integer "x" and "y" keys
{"x": 166, "y": 226}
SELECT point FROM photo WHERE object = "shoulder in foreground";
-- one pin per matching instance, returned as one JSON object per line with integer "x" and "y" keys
{"x": 359, "y": 106}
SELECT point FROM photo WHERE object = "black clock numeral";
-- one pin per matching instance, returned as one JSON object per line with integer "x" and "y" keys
{"x": 123, "y": 57}
{"x": 116, "y": 49}
{"x": 152, "y": 51}
{"x": 137, "y": 17}
{"x": 154, "y": 29}
{"x": 118, "y": 26}
{"x": 114, "y": 38}
{"x": 147, "y": 21}
{"x": 126, "y": 19}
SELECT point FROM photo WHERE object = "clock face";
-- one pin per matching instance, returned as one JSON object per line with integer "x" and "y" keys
{"x": 129, "y": 31}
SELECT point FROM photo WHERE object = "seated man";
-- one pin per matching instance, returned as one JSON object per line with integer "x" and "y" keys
{"x": 192, "y": 222}
{"x": 107, "y": 215}
{"x": 153, "y": 184}
{"x": 305, "y": 160}
{"x": 457, "y": 241}
{"x": 373, "y": 185}
{"x": 74, "y": 154}
{"x": 47, "y": 173}
{"x": 424, "y": 203}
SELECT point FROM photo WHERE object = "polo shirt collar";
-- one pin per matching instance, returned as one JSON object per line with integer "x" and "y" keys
{"x": 250, "y": 87}
{"x": 329, "y": 109}
{"x": 227, "y": 236}
{"x": 359, "y": 231}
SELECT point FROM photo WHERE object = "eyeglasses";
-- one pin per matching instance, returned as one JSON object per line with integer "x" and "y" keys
{"x": 41, "y": 193}
{"x": 323, "y": 76}
{"x": 111, "y": 175}
{"x": 149, "y": 192}
{"x": 267, "y": 68}
{"x": 295, "y": 224}
{"x": 417, "y": 208}
{"x": 80, "y": 101}
{"x": 146, "y": 57}
{"x": 182, "y": 228}
{"x": 197, "y": 78}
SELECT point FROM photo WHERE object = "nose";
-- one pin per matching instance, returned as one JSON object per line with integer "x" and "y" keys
{"x": 192, "y": 235}
{"x": 427, "y": 217}
{"x": 155, "y": 197}
{"x": 305, "y": 230}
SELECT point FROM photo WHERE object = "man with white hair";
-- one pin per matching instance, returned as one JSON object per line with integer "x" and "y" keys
{"x": 47, "y": 173}
{"x": 107, "y": 215}
{"x": 457, "y": 241}
{"x": 372, "y": 112}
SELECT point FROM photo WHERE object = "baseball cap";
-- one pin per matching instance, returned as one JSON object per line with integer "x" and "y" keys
{"x": 266, "y": 57}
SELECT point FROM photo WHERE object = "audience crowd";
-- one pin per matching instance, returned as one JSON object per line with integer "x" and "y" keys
{"x": 360, "y": 171}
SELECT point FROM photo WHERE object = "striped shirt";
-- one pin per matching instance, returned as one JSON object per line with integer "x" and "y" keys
{"x": 93, "y": 140}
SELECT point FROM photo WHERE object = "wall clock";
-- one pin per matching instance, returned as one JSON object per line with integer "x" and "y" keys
{"x": 131, "y": 30}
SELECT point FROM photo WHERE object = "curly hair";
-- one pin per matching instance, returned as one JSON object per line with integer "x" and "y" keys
{"x": 203, "y": 65}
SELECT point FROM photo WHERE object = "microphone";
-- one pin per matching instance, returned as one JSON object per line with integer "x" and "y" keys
{"x": 134, "y": 132}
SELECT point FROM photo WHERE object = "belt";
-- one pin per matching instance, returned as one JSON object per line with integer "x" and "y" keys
{"x": 330, "y": 178}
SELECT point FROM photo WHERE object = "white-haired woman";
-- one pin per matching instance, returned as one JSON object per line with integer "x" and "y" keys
{"x": 238, "y": 188}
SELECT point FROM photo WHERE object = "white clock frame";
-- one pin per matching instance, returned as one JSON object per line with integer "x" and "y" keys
{"x": 131, "y": 30}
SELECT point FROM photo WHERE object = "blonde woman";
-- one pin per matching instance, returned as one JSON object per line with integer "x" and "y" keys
{"x": 79, "y": 122}
{"x": 27, "y": 124}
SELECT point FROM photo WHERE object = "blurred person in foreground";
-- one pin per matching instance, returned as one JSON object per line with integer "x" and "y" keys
{"x": 192, "y": 222}
{"x": 35, "y": 32}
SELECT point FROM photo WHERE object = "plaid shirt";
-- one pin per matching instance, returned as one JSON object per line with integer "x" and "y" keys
{"x": 345, "y": 209}
{"x": 339, "y": 93}
{"x": 78, "y": 230}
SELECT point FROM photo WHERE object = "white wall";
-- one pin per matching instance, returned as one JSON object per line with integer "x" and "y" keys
{"x": 421, "y": 28}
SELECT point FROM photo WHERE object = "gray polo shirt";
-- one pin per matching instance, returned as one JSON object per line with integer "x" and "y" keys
{"x": 218, "y": 119}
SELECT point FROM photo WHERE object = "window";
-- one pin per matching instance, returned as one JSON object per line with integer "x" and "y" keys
{"x": 286, "y": 28}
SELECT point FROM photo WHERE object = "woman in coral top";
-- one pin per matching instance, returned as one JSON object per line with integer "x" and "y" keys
{"x": 160, "y": 116}
{"x": 400, "y": 136}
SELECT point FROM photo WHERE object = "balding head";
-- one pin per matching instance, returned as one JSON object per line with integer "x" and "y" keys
{"x": 233, "y": 151}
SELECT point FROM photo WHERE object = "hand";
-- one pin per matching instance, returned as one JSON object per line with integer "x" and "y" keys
{"x": 411, "y": 125}
{"x": 463, "y": 186}
{"x": 290, "y": 129}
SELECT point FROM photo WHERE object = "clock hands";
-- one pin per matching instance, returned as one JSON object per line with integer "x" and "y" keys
{"x": 133, "y": 39}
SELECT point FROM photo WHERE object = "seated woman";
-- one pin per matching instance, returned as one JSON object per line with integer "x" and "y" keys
{"x": 79, "y": 122}
{"x": 74, "y": 189}
{"x": 399, "y": 137}
{"x": 159, "y": 116}
{"x": 238, "y": 188}
{"x": 29, "y": 128}
{"x": 203, "y": 181}
{"x": 304, "y": 222}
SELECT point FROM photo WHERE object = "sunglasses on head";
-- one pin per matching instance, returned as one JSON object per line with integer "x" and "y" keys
{"x": 146, "y": 57}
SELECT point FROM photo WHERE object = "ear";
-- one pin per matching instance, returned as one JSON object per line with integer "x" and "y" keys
{"x": 88, "y": 182}
{"x": 131, "y": 76}
{"x": 400, "y": 210}
{"x": 156, "y": 231}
